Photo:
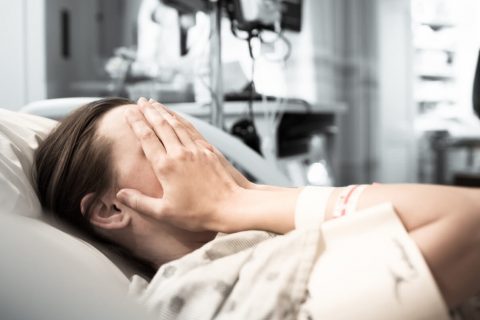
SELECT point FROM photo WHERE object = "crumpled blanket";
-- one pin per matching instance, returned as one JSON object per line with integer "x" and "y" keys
{"x": 246, "y": 275}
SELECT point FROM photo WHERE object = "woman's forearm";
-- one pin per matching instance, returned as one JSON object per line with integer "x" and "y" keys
{"x": 270, "y": 209}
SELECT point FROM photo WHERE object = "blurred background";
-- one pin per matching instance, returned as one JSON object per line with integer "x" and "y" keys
{"x": 332, "y": 92}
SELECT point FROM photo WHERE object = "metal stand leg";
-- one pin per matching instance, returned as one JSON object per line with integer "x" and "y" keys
{"x": 439, "y": 145}
{"x": 216, "y": 76}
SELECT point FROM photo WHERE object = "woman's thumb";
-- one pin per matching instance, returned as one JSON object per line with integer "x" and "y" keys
{"x": 139, "y": 202}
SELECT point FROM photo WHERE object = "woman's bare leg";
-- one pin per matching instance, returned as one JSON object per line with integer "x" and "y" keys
{"x": 445, "y": 224}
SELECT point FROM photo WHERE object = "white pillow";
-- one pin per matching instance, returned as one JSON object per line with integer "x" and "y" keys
{"x": 19, "y": 137}
{"x": 44, "y": 276}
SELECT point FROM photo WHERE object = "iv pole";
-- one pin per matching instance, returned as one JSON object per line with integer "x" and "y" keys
{"x": 216, "y": 75}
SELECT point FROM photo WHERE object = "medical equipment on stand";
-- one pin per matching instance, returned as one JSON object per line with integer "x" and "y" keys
{"x": 261, "y": 23}
{"x": 216, "y": 72}
{"x": 251, "y": 16}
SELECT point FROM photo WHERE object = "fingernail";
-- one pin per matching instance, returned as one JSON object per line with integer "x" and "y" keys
{"x": 141, "y": 100}
{"x": 151, "y": 100}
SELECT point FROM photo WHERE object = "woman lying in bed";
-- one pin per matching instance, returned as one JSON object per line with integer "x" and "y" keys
{"x": 142, "y": 177}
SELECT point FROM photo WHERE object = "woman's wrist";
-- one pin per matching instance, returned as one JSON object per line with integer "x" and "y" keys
{"x": 260, "y": 208}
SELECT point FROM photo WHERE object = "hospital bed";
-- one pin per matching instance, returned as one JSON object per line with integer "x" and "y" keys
{"x": 46, "y": 272}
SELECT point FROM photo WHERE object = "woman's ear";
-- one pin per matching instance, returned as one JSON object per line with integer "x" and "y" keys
{"x": 104, "y": 212}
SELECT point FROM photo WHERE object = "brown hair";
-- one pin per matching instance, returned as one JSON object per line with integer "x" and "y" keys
{"x": 74, "y": 161}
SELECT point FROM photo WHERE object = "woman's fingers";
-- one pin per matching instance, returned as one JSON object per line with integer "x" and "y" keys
{"x": 192, "y": 139}
{"x": 176, "y": 119}
{"x": 161, "y": 108}
{"x": 162, "y": 128}
{"x": 151, "y": 145}
{"x": 197, "y": 138}
{"x": 141, "y": 203}
{"x": 192, "y": 131}
{"x": 175, "y": 131}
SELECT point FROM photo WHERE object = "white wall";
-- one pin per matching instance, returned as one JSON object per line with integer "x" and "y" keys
{"x": 394, "y": 117}
{"x": 467, "y": 50}
{"x": 359, "y": 90}
{"x": 12, "y": 54}
{"x": 22, "y": 64}
{"x": 22, "y": 56}
{"x": 35, "y": 51}
{"x": 376, "y": 138}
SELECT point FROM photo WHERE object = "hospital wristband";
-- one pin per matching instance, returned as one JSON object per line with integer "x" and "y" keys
{"x": 311, "y": 207}
{"x": 347, "y": 200}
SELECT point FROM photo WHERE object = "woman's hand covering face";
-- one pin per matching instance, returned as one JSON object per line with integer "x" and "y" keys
{"x": 197, "y": 136}
{"x": 198, "y": 183}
